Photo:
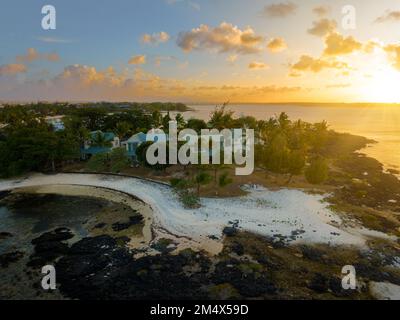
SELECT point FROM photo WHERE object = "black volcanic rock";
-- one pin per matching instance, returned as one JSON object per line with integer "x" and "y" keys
{"x": 8, "y": 258}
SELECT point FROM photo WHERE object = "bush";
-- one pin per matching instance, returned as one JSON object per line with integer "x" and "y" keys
{"x": 317, "y": 172}
{"x": 98, "y": 162}
{"x": 187, "y": 197}
{"x": 189, "y": 200}
{"x": 119, "y": 160}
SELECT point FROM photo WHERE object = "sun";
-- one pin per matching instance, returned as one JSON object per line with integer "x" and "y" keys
{"x": 383, "y": 86}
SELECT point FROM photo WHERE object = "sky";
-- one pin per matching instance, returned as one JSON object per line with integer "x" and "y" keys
{"x": 201, "y": 51}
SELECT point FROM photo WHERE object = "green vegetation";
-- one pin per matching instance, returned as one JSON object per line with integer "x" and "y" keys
{"x": 98, "y": 162}
{"x": 185, "y": 190}
{"x": 317, "y": 172}
{"x": 119, "y": 160}
{"x": 202, "y": 179}
{"x": 286, "y": 152}
{"x": 115, "y": 161}
{"x": 33, "y": 145}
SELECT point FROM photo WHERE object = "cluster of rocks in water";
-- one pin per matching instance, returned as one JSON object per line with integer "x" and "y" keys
{"x": 133, "y": 220}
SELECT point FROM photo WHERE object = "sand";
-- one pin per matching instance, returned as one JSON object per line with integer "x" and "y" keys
{"x": 280, "y": 213}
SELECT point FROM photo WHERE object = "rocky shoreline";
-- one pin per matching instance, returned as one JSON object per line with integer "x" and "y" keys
{"x": 122, "y": 258}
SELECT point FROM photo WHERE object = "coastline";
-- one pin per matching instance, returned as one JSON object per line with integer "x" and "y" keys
{"x": 264, "y": 212}
{"x": 136, "y": 242}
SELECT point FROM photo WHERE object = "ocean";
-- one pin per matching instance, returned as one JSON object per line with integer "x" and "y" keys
{"x": 378, "y": 122}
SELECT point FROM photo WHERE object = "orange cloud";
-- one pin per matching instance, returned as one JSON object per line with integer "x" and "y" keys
{"x": 308, "y": 63}
{"x": 276, "y": 45}
{"x": 12, "y": 69}
{"x": 258, "y": 65}
{"x": 394, "y": 54}
{"x": 139, "y": 59}
{"x": 280, "y": 10}
{"x": 322, "y": 27}
{"x": 389, "y": 16}
{"x": 224, "y": 38}
{"x": 33, "y": 55}
{"x": 336, "y": 44}
{"x": 321, "y": 11}
{"x": 155, "y": 38}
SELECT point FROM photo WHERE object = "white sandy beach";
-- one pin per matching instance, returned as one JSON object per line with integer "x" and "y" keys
{"x": 268, "y": 213}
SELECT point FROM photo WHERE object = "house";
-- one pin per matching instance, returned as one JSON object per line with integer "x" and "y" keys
{"x": 99, "y": 142}
{"x": 137, "y": 139}
{"x": 56, "y": 122}
{"x": 133, "y": 143}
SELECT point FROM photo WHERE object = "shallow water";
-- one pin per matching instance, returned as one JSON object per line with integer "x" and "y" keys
{"x": 381, "y": 123}
{"x": 33, "y": 215}
{"x": 26, "y": 218}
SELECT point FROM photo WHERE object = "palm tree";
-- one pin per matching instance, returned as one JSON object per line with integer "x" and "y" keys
{"x": 221, "y": 119}
{"x": 180, "y": 121}
{"x": 99, "y": 140}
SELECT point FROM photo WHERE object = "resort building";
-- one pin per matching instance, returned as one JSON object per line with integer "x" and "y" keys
{"x": 137, "y": 139}
{"x": 99, "y": 142}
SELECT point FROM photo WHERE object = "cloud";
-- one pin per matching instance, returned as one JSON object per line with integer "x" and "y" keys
{"x": 12, "y": 69}
{"x": 389, "y": 16}
{"x": 84, "y": 76}
{"x": 159, "y": 59}
{"x": 322, "y": 27}
{"x": 224, "y": 38}
{"x": 338, "y": 86}
{"x": 371, "y": 45}
{"x": 276, "y": 45}
{"x": 277, "y": 89}
{"x": 54, "y": 40}
{"x": 86, "y": 83}
{"x": 258, "y": 65}
{"x": 280, "y": 10}
{"x": 322, "y": 11}
{"x": 139, "y": 59}
{"x": 232, "y": 58}
{"x": 194, "y": 5}
{"x": 155, "y": 38}
{"x": 191, "y": 4}
{"x": 336, "y": 44}
{"x": 393, "y": 51}
{"x": 308, "y": 63}
{"x": 33, "y": 55}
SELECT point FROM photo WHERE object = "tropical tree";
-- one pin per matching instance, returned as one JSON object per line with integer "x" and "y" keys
{"x": 223, "y": 181}
{"x": 100, "y": 140}
{"x": 196, "y": 124}
{"x": 98, "y": 162}
{"x": 180, "y": 121}
{"x": 123, "y": 129}
{"x": 165, "y": 122}
{"x": 277, "y": 153}
{"x": 201, "y": 179}
{"x": 296, "y": 163}
{"x": 221, "y": 118}
{"x": 317, "y": 172}
{"x": 156, "y": 119}
{"x": 119, "y": 159}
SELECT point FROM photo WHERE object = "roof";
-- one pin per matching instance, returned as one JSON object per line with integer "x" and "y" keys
{"x": 95, "y": 150}
{"x": 137, "y": 138}
{"x": 109, "y": 136}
